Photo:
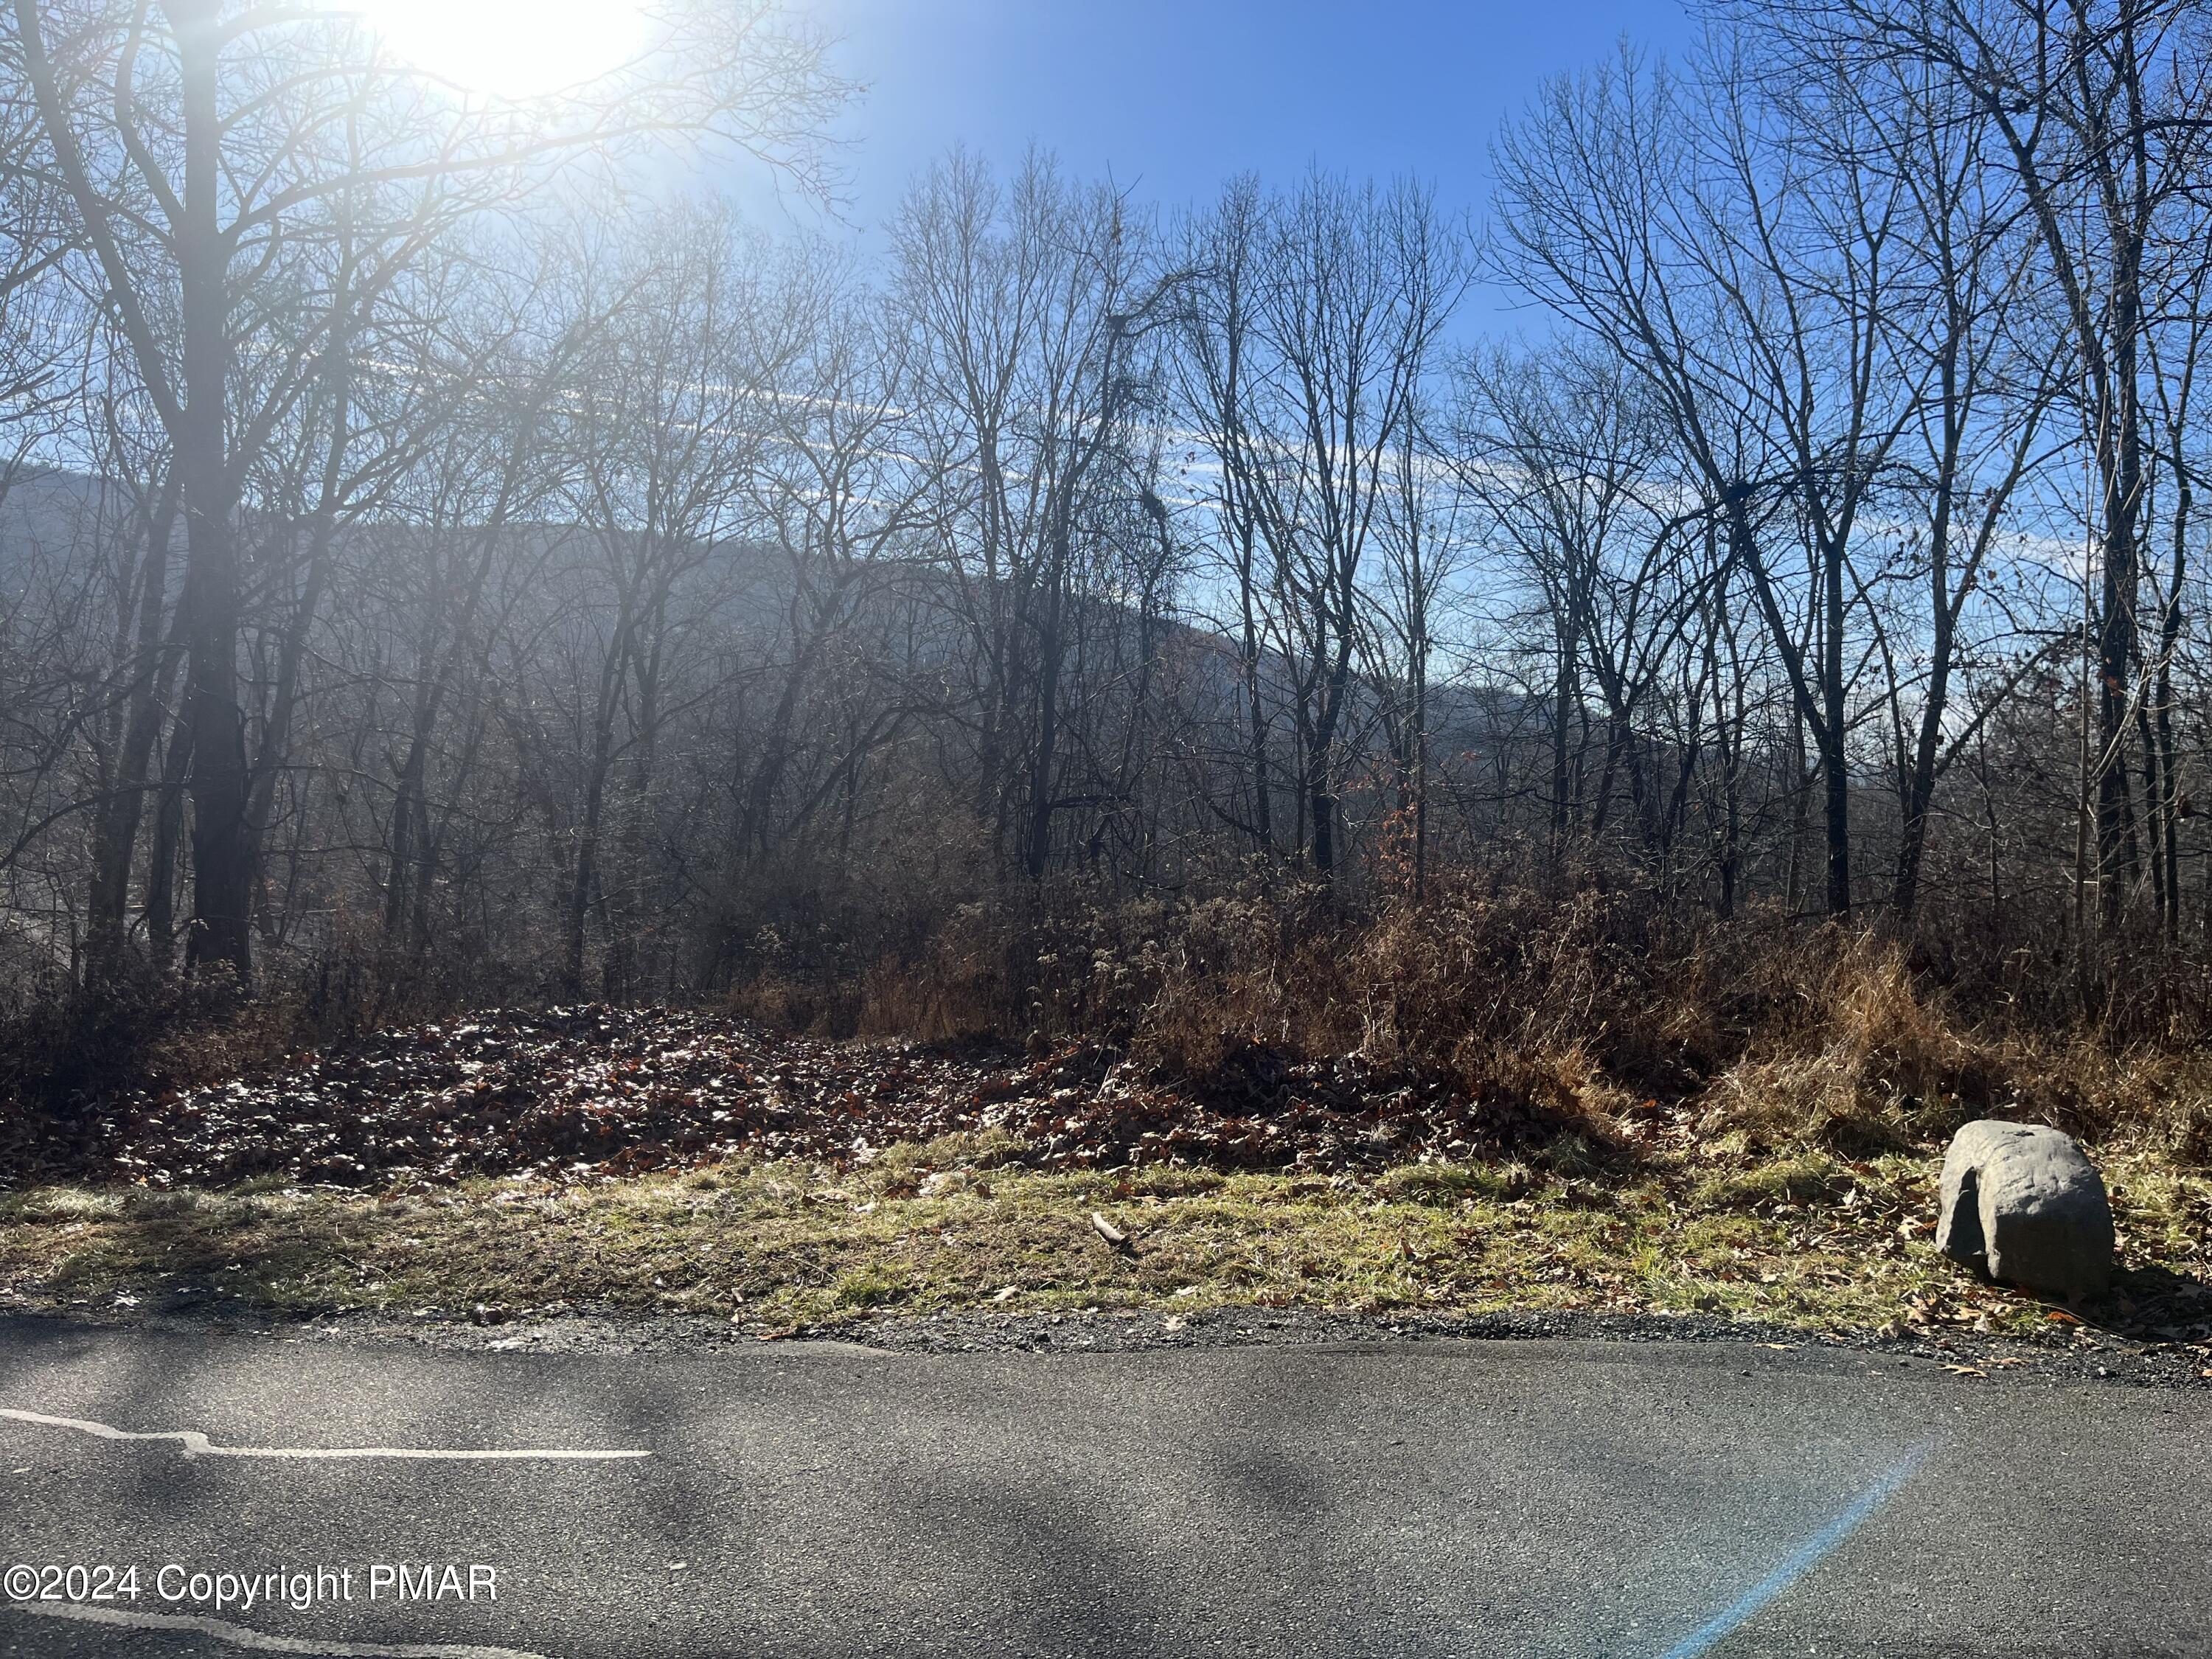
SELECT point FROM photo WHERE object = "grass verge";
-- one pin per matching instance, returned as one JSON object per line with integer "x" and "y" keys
{"x": 1809, "y": 1240}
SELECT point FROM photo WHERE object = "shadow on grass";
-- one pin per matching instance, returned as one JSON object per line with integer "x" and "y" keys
{"x": 176, "y": 1255}
{"x": 2148, "y": 1303}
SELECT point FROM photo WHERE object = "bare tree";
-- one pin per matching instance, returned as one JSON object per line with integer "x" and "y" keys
{"x": 1356, "y": 284}
{"x": 217, "y": 156}
{"x": 2100, "y": 110}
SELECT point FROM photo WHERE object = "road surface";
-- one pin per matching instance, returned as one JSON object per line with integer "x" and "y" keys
{"x": 1637, "y": 1500}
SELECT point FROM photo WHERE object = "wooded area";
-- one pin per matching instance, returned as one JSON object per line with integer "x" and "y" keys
{"x": 434, "y": 571}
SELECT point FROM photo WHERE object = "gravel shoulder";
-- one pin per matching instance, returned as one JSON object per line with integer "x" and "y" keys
{"x": 2091, "y": 1357}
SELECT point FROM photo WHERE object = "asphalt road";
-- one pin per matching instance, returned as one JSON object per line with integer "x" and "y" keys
{"x": 1469, "y": 1498}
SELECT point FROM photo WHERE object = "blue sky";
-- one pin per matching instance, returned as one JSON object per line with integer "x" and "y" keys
{"x": 1175, "y": 95}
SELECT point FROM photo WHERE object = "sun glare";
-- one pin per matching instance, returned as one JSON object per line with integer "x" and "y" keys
{"x": 511, "y": 48}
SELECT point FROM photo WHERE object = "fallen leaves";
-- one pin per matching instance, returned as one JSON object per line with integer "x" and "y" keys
{"x": 588, "y": 1092}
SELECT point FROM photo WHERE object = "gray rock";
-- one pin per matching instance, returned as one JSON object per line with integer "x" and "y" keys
{"x": 2025, "y": 1202}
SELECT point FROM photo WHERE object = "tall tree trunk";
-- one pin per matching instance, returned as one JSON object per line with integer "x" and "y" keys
{"x": 1321, "y": 767}
{"x": 1036, "y": 838}
{"x": 2164, "y": 746}
{"x": 222, "y": 848}
{"x": 1251, "y": 658}
{"x": 1420, "y": 771}
{"x": 284, "y": 700}
{"x": 168, "y": 838}
{"x": 1563, "y": 699}
{"x": 1835, "y": 728}
{"x": 115, "y": 828}
{"x": 2117, "y": 646}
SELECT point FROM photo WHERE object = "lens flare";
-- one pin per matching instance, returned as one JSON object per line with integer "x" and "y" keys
{"x": 511, "y": 48}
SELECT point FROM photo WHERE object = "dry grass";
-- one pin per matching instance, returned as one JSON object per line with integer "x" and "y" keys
{"x": 1880, "y": 1060}
{"x": 1810, "y": 1241}
{"x": 1597, "y": 1010}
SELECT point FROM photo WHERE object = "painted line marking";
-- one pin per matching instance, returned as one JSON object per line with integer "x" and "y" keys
{"x": 240, "y": 1637}
{"x": 1802, "y": 1560}
{"x": 197, "y": 1444}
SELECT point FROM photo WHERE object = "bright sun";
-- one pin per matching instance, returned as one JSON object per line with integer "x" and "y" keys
{"x": 512, "y": 48}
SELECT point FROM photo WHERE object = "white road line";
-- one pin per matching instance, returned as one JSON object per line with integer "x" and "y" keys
{"x": 239, "y": 1636}
{"x": 197, "y": 1444}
